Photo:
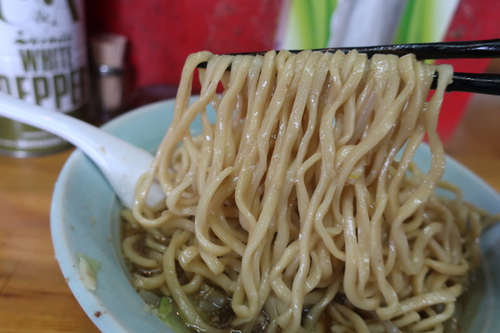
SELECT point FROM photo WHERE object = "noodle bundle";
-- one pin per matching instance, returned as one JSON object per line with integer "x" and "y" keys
{"x": 299, "y": 208}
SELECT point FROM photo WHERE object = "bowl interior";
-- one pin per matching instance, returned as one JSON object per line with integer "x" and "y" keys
{"x": 85, "y": 221}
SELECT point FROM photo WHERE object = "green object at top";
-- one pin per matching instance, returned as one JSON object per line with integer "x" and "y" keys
{"x": 425, "y": 21}
{"x": 421, "y": 21}
{"x": 308, "y": 24}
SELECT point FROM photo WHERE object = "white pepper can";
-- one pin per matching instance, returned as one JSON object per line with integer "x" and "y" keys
{"x": 43, "y": 60}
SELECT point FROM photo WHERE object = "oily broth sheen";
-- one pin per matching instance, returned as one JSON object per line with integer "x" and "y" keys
{"x": 292, "y": 211}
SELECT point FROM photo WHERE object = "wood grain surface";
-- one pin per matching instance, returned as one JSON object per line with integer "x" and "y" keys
{"x": 33, "y": 294}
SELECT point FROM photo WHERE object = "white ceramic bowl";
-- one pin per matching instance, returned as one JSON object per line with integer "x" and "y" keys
{"x": 85, "y": 220}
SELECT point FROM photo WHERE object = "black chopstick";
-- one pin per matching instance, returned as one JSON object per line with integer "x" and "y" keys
{"x": 489, "y": 48}
{"x": 464, "y": 82}
{"x": 476, "y": 49}
{"x": 488, "y": 84}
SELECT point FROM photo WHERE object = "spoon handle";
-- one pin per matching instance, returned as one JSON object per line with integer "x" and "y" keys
{"x": 121, "y": 162}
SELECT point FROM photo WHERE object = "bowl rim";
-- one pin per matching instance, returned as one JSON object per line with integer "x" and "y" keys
{"x": 61, "y": 242}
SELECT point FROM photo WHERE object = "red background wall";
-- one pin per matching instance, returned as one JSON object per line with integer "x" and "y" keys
{"x": 163, "y": 33}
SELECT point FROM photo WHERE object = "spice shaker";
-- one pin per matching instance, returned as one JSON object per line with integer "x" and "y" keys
{"x": 108, "y": 75}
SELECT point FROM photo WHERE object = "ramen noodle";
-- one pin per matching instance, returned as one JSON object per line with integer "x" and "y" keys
{"x": 299, "y": 209}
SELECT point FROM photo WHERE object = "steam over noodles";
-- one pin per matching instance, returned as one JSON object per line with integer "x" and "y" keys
{"x": 299, "y": 209}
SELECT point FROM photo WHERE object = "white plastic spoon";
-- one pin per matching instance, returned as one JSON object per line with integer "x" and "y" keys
{"x": 121, "y": 162}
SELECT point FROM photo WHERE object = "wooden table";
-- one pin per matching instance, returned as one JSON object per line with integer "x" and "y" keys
{"x": 33, "y": 294}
